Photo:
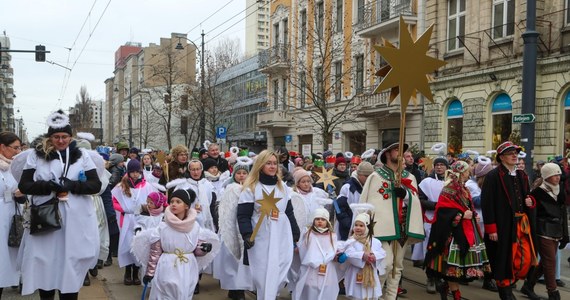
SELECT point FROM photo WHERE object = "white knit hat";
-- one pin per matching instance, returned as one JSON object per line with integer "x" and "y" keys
{"x": 321, "y": 213}
{"x": 364, "y": 218}
{"x": 549, "y": 170}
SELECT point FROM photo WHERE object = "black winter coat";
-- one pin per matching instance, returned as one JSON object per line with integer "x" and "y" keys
{"x": 551, "y": 216}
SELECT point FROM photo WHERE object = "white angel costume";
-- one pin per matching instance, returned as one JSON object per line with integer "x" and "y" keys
{"x": 204, "y": 196}
{"x": 354, "y": 286}
{"x": 270, "y": 258}
{"x": 177, "y": 269}
{"x": 102, "y": 224}
{"x": 130, "y": 208}
{"x": 432, "y": 188}
{"x": 318, "y": 278}
{"x": 228, "y": 264}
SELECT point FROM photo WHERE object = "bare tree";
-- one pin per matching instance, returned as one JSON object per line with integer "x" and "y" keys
{"x": 81, "y": 116}
{"x": 149, "y": 125}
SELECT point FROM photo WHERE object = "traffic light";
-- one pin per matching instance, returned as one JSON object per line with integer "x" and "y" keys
{"x": 40, "y": 53}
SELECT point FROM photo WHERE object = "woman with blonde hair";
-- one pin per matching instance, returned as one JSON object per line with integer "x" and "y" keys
{"x": 265, "y": 205}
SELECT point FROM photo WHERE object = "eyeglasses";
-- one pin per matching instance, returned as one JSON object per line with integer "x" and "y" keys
{"x": 60, "y": 137}
{"x": 17, "y": 148}
{"x": 511, "y": 153}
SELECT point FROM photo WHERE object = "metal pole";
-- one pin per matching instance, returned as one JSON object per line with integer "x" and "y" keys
{"x": 130, "y": 117}
{"x": 530, "y": 37}
{"x": 202, "y": 95}
{"x": 140, "y": 123}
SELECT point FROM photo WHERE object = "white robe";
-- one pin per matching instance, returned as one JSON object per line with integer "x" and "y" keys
{"x": 354, "y": 251}
{"x": 9, "y": 274}
{"x": 312, "y": 285}
{"x": 131, "y": 207}
{"x": 60, "y": 259}
{"x": 432, "y": 188}
{"x": 203, "y": 189}
{"x": 270, "y": 258}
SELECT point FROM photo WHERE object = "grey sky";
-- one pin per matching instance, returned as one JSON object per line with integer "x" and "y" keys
{"x": 41, "y": 88}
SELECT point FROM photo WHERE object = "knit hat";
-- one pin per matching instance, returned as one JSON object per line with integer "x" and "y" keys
{"x": 122, "y": 145}
{"x": 105, "y": 156}
{"x": 209, "y": 162}
{"x": 115, "y": 159}
{"x": 321, "y": 213}
{"x": 58, "y": 122}
{"x": 298, "y": 160}
{"x": 441, "y": 160}
{"x": 157, "y": 198}
{"x": 482, "y": 169}
{"x": 187, "y": 196}
{"x": 202, "y": 151}
{"x": 133, "y": 165}
{"x": 390, "y": 147}
{"x": 299, "y": 174}
{"x": 364, "y": 218}
{"x": 549, "y": 170}
{"x": 339, "y": 160}
{"x": 134, "y": 150}
{"x": 364, "y": 169}
{"x": 508, "y": 145}
{"x": 238, "y": 167}
{"x": 459, "y": 166}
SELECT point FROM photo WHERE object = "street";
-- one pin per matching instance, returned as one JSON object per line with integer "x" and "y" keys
{"x": 109, "y": 285}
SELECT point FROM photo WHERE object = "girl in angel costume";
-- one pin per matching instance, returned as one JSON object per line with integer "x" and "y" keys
{"x": 152, "y": 210}
{"x": 318, "y": 278}
{"x": 234, "y": 276}
{"x": 365, "y": 255}
{"x": 176, "y": 250}
{"x": 265, "y": 199}
{"x": 128, "y": 196}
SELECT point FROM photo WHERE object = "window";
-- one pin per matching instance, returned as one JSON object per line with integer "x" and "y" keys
{"x": 339, "y": 4}
{"x": 284, "y": 96}
{"x": 318, "y": 95}
{"x": 455, "y": 24}
{"x": 338, "y": 80}
{"x": 276, "y": 34}
{"x": 455, "y": 127}
{"x": 566, "y": 149}
{"x": 275, "y": 94}
{"x": 359, "y": 74}
{"x": 303, "y": 27}
{"x": 360, "y": 12}
{"x": 285, "y": 31}
{"x": 503, "y": 18}
{"x": 319, "y": 18}
{"x": 501, "y": 111}
{"x": 303, "y": 89}
{"x": 567, "y": 7}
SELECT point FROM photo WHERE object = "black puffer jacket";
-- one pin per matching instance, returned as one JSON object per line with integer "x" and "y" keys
{"x": 551, "y": 216}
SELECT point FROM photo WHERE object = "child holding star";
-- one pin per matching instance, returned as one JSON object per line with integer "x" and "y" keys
{"x": 267, "y": 225}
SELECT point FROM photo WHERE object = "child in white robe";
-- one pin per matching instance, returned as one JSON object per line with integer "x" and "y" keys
{"x": 365, "y": 255}
{"x": 318, "y": 277}
{"x": 153, "y": 211}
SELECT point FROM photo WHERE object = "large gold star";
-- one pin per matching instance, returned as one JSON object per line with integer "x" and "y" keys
{"x": 268, "y": 205}
{"x": 326, "y": 177}
{"x": 427, "y": 163}
{"x": 409, "y": 67}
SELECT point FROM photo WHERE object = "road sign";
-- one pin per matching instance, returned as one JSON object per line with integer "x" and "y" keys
{"x": 221, "y": 132}
{"x": 288, "y": 139}
{"x": 524, "y": 118}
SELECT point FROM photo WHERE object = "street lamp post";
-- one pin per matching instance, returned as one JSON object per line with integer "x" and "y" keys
{"x": 202, "y": 112}
{"x": 130, "y": 112}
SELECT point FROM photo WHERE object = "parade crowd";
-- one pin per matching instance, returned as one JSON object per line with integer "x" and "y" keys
{"x": 318, "y": 226}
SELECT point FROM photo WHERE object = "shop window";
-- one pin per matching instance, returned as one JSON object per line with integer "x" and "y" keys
{"x": 501, "y": 112}
{"x": 455, "y": 127}
{"x": 356, "y": 141}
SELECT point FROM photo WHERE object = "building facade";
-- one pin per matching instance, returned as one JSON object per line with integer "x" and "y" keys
{"x": 7, "y": 118}
{"x": 480, "y": 89}
{"x": 148, "y": 96}
{"x": 257, "y": 26}
{"x": 244, "y": 88}
{"x": 321, "y": 67}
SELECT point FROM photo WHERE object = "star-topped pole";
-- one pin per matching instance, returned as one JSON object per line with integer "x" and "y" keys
{"x": 268, "y": 207}
{"x": 326, "y": 178}
{"x": 407, "y": 73}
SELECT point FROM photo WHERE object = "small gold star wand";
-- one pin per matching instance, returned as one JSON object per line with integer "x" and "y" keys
{"x": 326, "y": 177}
{"x": 268, "y": 205}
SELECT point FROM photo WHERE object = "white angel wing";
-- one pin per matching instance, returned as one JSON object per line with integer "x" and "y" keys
{"x": 228, "y": 228}
{"x": 176, "y": 182}
{"x": 99, "y": 162}
{"x": 299, "y": 209}
{"x": 140, "y": 246}
{"x": 208, "y": 236}
{"x": 18, "y": 163}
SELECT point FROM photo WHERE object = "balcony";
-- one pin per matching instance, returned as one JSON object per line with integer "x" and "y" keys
{"x": 383, "y": 15}
{"x": 275, "y": 60}
{"x": 369, "y": 104}
{"x": 274, "y": 118}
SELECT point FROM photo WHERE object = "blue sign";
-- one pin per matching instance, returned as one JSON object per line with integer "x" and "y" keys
{"x": 288, "y": 138}
{"x": 455, "y": 109}
{"x": 567, "y": 100}
{"x": 502, "y": 103}
{"x": 221, "y": 132}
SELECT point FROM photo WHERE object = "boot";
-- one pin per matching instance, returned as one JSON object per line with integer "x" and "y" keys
{"x": 442, "y": 288}
{"x": 554, "y": 295}
{"x": 136, "y": 280}
{"x": 528, "y": 290}
{"x": 236, "y": 295}
{"x": 99, "y": 264}
{"x": 128, "y": 279}
{"x": 197, "y": 289}
{"x": 86, "y": 281}
{"x": 506, "y": 293}
{"x": 430, "y": 285}
{"x": 456, "y": 295}
{"x": 489, "y": 283}
{"x": 109, "y": 260}
{"x": 94, "y": 272}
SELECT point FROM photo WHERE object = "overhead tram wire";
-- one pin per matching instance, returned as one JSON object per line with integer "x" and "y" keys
{"x": 219, "y": 9}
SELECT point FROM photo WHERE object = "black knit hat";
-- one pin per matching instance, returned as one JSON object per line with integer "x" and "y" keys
{"x": 187, "y": 196}
{"x": 209, "y": 162}
{"x": 441, "y": 160}
{"x": 58, "y": 122}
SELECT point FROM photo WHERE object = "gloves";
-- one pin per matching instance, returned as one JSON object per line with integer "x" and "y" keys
{"x": 68, "y": 184}
{"x": 247, "y": 243}
{"x": 563, "y": 243}
{"x": 206, "y": 247}
{"x": 147, "y": 279}
{"x": 56, "y": 187}
{"x": 400, "y": 192}
{"x": 341, "y": 257}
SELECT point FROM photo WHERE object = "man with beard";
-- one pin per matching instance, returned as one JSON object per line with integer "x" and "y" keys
{"x": 398, "y": 214}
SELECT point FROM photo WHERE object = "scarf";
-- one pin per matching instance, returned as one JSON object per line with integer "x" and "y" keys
{"x": 550, "y": 189}
{"x": 212, "y": 178}
{"x": 320, "y": 230}
{"x": 4, "y": 163}
{"x": 155, "y": 211}
{"x": 300, "y": 191}
{"x": 175, "y": 223}
{"x": 368, "y": 269}
{"x": 266, "y": 179}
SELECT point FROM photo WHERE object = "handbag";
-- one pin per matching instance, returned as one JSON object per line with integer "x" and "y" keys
{"x": 16, "y": 228}
{"x": 45, "y": 218}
